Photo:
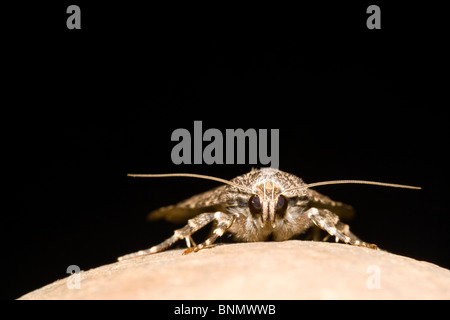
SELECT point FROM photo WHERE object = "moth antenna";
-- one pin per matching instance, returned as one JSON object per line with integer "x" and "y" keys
{"x": 375, "y": 183}
{"x": 190, "y": 175}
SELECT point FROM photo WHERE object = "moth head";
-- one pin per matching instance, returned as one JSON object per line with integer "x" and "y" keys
{"x": 268, "y": 202}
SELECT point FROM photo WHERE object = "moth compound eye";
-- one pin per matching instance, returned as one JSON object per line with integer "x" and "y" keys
{"x": 255, "y": 204}
{"x": 281, "y": 204}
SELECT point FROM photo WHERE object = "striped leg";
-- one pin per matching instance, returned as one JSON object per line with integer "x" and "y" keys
{"x": 190, "y": 242}
{"x": 224, "y": 222}
{"x": 328, "y": 221}
{"x": 192, "y": 226}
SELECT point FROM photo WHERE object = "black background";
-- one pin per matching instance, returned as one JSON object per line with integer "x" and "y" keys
{"x": 85, "y": 107}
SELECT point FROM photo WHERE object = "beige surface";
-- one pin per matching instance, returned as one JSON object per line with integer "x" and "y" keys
{"x": 263, "y": 270}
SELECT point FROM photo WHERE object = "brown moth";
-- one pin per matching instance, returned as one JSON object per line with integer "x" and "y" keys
{"x": 263, "y": 204}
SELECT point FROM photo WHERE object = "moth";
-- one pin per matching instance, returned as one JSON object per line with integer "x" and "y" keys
{"x": 260, "y": 205}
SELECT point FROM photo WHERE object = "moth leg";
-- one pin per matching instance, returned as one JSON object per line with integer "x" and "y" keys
{"x": 192, "y": 226}
{"x": 189, "y": 241}
{"x": 224, "y": 222}
{"x": 328, "y": 221}
{"x": 343, "y": 228}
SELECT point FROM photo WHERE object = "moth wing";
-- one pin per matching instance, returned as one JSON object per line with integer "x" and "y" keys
{"x": 318, "y": 200}
{"x": 208, "y": 201}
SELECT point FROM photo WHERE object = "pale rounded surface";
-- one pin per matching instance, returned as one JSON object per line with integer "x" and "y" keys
{"x": 261, "y": 270}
